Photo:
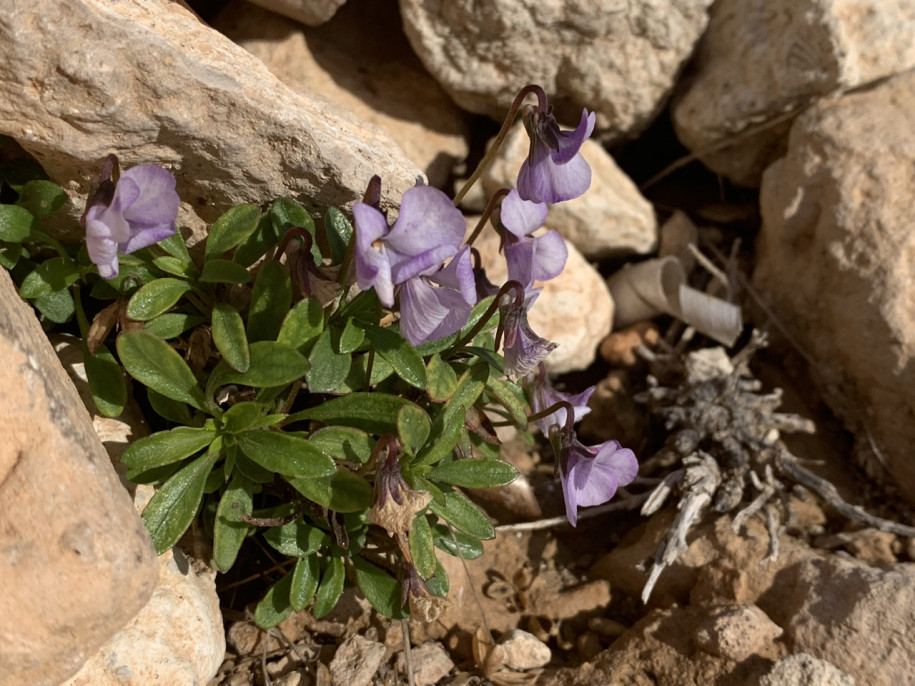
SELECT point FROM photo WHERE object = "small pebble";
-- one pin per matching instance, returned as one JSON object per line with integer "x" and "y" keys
{"x": 525, "y": 651}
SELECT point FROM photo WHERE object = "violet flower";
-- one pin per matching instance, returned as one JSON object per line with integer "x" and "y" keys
{"x": 591, "y": 475}
{"x": 130, "y": 213}
{"x": 437, "y": 305}
{"x": 530, "y": 258}
{"x": 554, "y": 169}
{"x": 429, "y": 230}
{"x": 544, "y": 396}
{"x": 523, "y": 349}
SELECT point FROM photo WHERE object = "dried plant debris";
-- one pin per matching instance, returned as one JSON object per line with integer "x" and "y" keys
{"x": 725, "y": 451}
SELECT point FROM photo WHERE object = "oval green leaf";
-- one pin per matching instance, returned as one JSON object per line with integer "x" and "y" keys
{"x": 343, "y": 491}
{"x": 474, "y": 472}
{"x": 327, "y": 368}
{"x": 297, "y": 538}
{"x": 229, "y": 337}
{"x": 231, "y": 229}
{"x": 379, "y": 588}
{"x": 172, "y": 509}
{"x": 302, "y": 325}
{"x": 413, "y": 427}
{"x": 153, "y": 362}
{"x": 344, "y": 443}
{"x": 172, "y": 324}
{"x": 41, "y": 198}
{"x": 156, "y": 297}
{"x": 331, "y": 587}
{"x": 464, "y": 515}
{"x": 284, "y": 454}
{"x": 275, "y": 607}
{"x": 49, "y": 277}
{"x": 166, "y": 447}
{"x": 305, "y": 578}
{"x": 272, "y": 364}
{"x": 271, "y": 299}
{"x": 224, "y": 271}
{"x": 422, "y": 547}
{"x": 375, "y": 413}
{"x": 407, "y": 362}
{"x": 15, "y": 223}
{"x": 229, "y": 530}
{"x": 106, "y": 381}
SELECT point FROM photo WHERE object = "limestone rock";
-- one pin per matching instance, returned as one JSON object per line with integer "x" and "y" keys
{"x": 617, "y": 58}
{"x": 361, "y": 63}
{"x": 77, "y": 562}
{"x": 431, "y": 664}
{"x": 356, "y": 661}
{"x": 762, "y": 58}
{"x": 309, "y": 12}
{"x": 612, "y": 219}
{"x": 736, "y": 632}
{"x": 145, "y": 79}
{"x": 802, "y": 668}
{"x": 574, "y": 310}
{"x": 857, "y": 617}
{"x": 524, "y": 651}
{"x": 835, "y": 261}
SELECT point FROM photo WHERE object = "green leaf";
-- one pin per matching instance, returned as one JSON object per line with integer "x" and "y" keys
{"x": 297, "y": 539}
{"x": 343, "y": 491}
{"x": 327, "y": 368}
{"x": 174, "y": 266}
{"x": 106, "y": 381}
{"x": 477, "y": 472}
{"x": 41, "y": 198}
{"x": 339, "y": 233}
{"x": 344, "y": 443}
{"x": 459, "y": 545}
{"x": 375, "y": 413}
{"x": 229, "y": 530}
{"x": 270, "y": 302}
{"x": 509, "y": 396}
{"x": 229, "y": 337}
{"x": 272, "y": 364}
{"x": 9, "y": 252}
{"x": 413, "y": 427}
{"x": 464, "y": 515}
{"x": 57, "y": 307}
{"x": 439, "y": 583}
{"x": 169, "y": 409}
{"x": 153, "y": 362}
{"x": 166, "y": 447}
{"x": 175, "y": 246}
{"x": 331, "y": 587}
{"x": 422, "y": 547}
{"x": 252, "y": 470}
{"x": 407, "y": 362}
{"x": 172, "y": 509}
{"x": 302, "y": 325}
{"x": 304, "y": 582}
{"x": 257, "y": 244}
{"x": 241, "y": 417}
{"x": 286, "y": 213}
{"x": 350, "y": 338}
{"x": 224, "y": 271}
{"x": 49, "y": 277}
{"x": 172, "y": 324}
{"x": 276, "y": 605}
{"x": 231, "y": 229}
{"x": 441, "y": 379}
{"x": 156, "y": 297}
{"x": 15, "y": 223}
{"x": 379, "y": 588}
{"x": 285, "y": 454}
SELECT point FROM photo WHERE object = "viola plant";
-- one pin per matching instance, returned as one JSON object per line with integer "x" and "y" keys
{"x": 328, "y": 387}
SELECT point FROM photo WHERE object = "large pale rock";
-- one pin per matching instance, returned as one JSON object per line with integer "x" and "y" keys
{"x": 360, "y": 63}
{"x": 148, "y": 81}
{"x": 836, "y": 261}
{"x": 611, "y": 220}
{"x": 574, "y": 310}
{"x": 309, "y": 12}
{"x": 618, "y": 58}
{"x": 77, "y": 564}
{"x": 857, "y": 617}
{"x": 762, "y": 58}
{"x": 802, "y": 668}
{"x": 178, "y": 637}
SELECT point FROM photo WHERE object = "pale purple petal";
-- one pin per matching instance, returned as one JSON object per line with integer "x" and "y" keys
{"x": 519, "y": 257}
{"x": 522, "y": 217}
{"x": 158, "y": 201}
{"x": 428, "y": 313}
{"x": 523, "y": 349}
{"x": 591, "y": 475}
{"x": 550, "y": 255}
{"x": 543, "y": 396}
{"x": 571, "y": 141}
{"x": 103, "y": 250}
{"x": 429, "y": 230}
{"x": 543, "y": 180}
{"x": 458, "y": 275}
{"x": 146, "y": 236}
{"x": 373, "y": 268}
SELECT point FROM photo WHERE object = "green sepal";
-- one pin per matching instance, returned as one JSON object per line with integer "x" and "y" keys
{"x": 276, "y": 605}
{"x": 305, "y": 578}
{"x": 224, "y": 271}
{"x": 229, "y": 337}
{"x": 284, "y": 454}
{"x": 375, "y": 413}
{"x": 422, "y": 547}
{"x": 464, "y": 516}
{"x": 343, "y": 491}
{"x": 379, "y": 588}
{"x": 233, "y": 227}
{"x": 166, "y": 447}
{"x": 331, "y": 587}
{"x": 271, "y": 299}
{"x": 49, "y": 277}
{"x": 106, "y": 381}
{"x": 407, "y": 362}
{"x": 475, "y": 472}
{"x": 156, "y": 297}
{"x": 153, "y": 362}
{"x": 229, "y": 530}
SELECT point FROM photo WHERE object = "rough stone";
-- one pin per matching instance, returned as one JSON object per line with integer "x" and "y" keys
{"x": 802, "y": 668}
{"x": 308, "y": 12}
{"x": 77, "y": 562}
{"x": 361, "y": 63}
{"x": 431, "y": 664}
{"x": 761, "y": 59}
{"x": 574, "y": 310}
{"x": 524, "y": 651}
{"x": 356, "y": 661}
{"x": 835, "y": 262}
{"x": 620, "y": 59}
{"x": 735, "y": 632}
{"x": 857, "y": 617}
{"x": 611, "y": 220}
{"x": 148, "y": 81}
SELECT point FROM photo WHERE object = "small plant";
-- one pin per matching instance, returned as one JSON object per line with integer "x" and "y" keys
{"x": 330, "y": 387}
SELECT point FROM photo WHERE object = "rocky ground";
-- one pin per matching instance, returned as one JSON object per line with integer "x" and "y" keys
{"x": 764, "y": 148}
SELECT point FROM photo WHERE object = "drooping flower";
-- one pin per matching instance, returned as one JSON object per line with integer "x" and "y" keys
{"x": 544, "y": 396}
{"x": 128, "y": 213}
{"x": 523, "y": 349}
{"x": 438, "y": 304}
{"x": 591, "y": 475}
{"x": 429, "y": 230}
{"x": 554, "y": 170}
{"x": 530, "y": 258}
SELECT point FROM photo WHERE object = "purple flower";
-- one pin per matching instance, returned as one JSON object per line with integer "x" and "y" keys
{"x": 554, "y": 169}
{"x": 129, "y": 213}
{"x": 523, "y": 349}
{"x": 530, "y": 258}
{"x": 544, "y": 396}
{"x": 591, "y": 475}
{"x": 437, "y": 305}
{"x": 429, "y": 230}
